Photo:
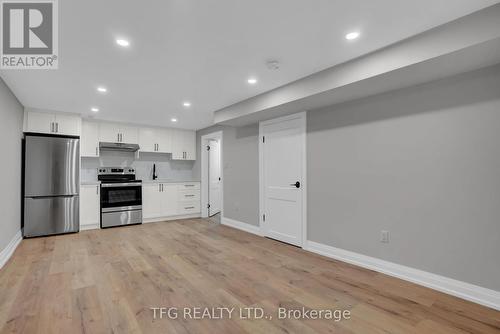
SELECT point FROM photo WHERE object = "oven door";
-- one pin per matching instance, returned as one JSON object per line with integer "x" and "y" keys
{"x": 117, "y": 195}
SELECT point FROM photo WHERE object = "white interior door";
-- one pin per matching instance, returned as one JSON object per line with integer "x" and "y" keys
{"x": 282, "y": 172}
{"x": 214, "y": 177}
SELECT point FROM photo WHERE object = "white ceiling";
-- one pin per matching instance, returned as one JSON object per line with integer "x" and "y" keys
{"x": 203, "y": 51}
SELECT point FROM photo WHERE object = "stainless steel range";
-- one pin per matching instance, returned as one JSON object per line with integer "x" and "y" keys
{"x": 121, "y": 197}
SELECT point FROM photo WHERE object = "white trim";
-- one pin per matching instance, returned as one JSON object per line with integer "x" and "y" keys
{"x": 7, "y": 252}
{"x": 90, "y": 227}
{"x": 467, "y": 291}
{"x": 164, "y": 219}
{"x": 218, "y": 135}
{"x": 302, "y": 115}
{"x": 241, "y": 226}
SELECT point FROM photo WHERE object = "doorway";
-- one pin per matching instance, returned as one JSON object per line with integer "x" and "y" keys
{"x": 211, "y": 176}
{"x": 282, "y": 174}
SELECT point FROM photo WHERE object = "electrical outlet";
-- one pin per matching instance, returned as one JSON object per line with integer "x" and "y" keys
{"x": 384, "y": 236}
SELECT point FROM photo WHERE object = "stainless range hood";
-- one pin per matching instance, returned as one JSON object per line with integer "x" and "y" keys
{"x": 123, "y": 147}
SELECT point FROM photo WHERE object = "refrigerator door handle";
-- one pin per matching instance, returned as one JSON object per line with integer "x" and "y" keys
{"x": 54, "y": 196}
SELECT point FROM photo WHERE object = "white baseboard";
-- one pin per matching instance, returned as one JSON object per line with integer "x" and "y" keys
{"x": 241, "y": 226}
{"x": 163, "y": 219}
{"x": 467, "y": 291}
{"x": 90, "y": 227}
{"x": 7, "y": 252}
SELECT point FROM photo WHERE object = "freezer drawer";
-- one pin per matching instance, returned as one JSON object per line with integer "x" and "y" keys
{"x": 51, "y": 215}
{"x": 121, "y": 218}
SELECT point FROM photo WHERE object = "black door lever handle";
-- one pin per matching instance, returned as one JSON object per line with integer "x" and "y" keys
{"x": 296, "y": 184}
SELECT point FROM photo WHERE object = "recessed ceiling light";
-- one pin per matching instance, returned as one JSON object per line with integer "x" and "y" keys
{"x": 252, "y": 81}
{"x": 102, "y": 89}
{"x": 187, "y": 104}
{"x": 174, "y": 120}
{"x": 122, "y": 42}
{"x": 94, "y": 109}
{"x": 352, "y": 35}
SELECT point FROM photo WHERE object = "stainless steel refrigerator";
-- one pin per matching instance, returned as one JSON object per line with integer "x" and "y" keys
{"x": 51, "y": 185}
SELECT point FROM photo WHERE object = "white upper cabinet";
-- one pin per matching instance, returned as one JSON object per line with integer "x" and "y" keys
{"x": 164, "y": 140}
{"x": 118, "y": 133}
{"x": 183, "y": 145}
{"x": 52, "y": 123}
{"x": 69, "y": 125}
{"x": 190, "y": 145}
{"x": 129, "y": 134}
{"x": 39, "y": 122}
{"x": 177, "y": 144}
{"x": 89, "y": 146}
{"x": 109, "y": 132}
{"x": 155, "y": 140}
{"x": 147, "y": 140}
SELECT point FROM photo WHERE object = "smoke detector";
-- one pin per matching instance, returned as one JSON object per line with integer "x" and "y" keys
{"x": 273, "y": 64}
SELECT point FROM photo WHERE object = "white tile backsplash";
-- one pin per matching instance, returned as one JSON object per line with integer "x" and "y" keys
{"x": 167, "y": 169}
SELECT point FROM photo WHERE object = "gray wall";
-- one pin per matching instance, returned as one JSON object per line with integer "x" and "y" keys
{"x": 422, "y": 163}
{"x": 11, "y": 129}
{"x": 240, "y": 151}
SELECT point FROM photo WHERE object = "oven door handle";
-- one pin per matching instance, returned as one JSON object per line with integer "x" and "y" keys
{"x": 120, "y": 185}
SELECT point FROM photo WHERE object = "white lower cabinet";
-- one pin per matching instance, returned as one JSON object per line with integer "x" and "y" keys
{"x": 90, "y": 207}
{"x": 163, "y": 200}
{"x": 151, "y": 200}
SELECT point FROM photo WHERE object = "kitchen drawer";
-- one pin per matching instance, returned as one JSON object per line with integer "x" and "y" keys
{"x": 189, "y": 185}
{"x": 189, "y": 195}
{"x": 186, "y": 208}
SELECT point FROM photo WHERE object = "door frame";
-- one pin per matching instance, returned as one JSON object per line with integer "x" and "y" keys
{"x": 303, "y": 117}
{"x": 205, "y": 182}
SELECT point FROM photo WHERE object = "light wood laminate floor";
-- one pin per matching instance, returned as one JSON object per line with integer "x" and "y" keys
{"x": 106, "y": 281}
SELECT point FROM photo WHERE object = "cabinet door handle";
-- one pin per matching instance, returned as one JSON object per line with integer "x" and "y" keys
{"x": 51, "y": 127}
{"x": 189, "y": 207}
{"x": 118, "y": 137}
{"x": 96, "y": 151}
{"x": 57, "y": 127}
{"x": 188, "y": 195}
{"x": 189, "y": 185}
